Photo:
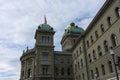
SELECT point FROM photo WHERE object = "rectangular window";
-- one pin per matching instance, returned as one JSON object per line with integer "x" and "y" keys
{"x": 44, "y": 70}
{"x": 45, "y": 39}
{"x": 45, "y": 56}
{"x": 92, "y": 74}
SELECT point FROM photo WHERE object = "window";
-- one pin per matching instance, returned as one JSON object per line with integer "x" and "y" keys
{"x": 29, "y": 73}
{"x": 79, "y": 77}
{"x": 102, "y": 28}
{"x": 91, "y": 39}
{"x": 110, "y": 66}
{"x": 103, "y": 69}
{"x": 80, "y": 50}
{"x": 45, "y": 39}
{"x": 89, "y": 57}
{"x": 56, "y": 61}
{"x": 74, "y": 56}
{"x": 106, "y": 46}
{"x": 117, "y": 11}
{"x": 74, "y": 40}
{"x": 114, "y": 40}
{"x": 99, "y": 51}
{"x": 22, "y": 73}
{"x": 96, "y": 34}
{"x": 87, "y": 43}
{"x": 62, "y": 71}
{"x": 45, "y": 57}
{"x": 62, "y": 61}
{"x": 44, "y": 70}
{"x": 118, "y": 61}
{"x": 109, "y": 20}
{"x": 83, "y": 76}
{"x": 56, "y": 71}
{"x": 92, "y": 74}
{"x": 68, "y": 71}
{"x": 81, "y": 63}
{"x": 78, "y": 65}
{"x": 68, "y": 61}
{"x": 94, "y": 55}
{"x": 77, "y": 53}
{"x": 75, "y": 67}
{"x": 97, "y": 72}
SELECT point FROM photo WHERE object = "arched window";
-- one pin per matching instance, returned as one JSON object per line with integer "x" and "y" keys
{"x": 106, "y": 45}
{"x": 29, "y": 73}
{"x": 99, "y": 51}
{"x": 88, "y": 44}
{"x": 102, "y": 28}
{"x": 89, "y": 57}
{"x": 91, "y": 39}
{"x": 103, "y": 69}
{"x": 94, "y": 55}
{"x": 96, "y": 34}
{"x": 110, "y": 66}
{"x": 109, "y": 20}
{"x": 114, "y": 40}
{"x": 117, "y": 11}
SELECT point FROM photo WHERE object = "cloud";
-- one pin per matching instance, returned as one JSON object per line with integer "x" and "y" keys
{"x": 20, "y": 18}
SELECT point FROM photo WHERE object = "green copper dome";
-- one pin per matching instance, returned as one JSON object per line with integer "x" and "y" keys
{"x": 45, "y": 27}
{"x": 74, "y": 29}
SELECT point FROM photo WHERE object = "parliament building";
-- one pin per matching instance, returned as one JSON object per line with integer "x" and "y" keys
{"x": 85, "y": 54}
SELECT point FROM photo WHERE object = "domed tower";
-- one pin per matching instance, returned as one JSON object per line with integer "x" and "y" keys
{"x": 70, "y": 36}
{"x": 44, "y": 49}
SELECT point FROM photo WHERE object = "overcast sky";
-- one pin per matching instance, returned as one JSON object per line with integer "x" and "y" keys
{"x": 20, "y": 18}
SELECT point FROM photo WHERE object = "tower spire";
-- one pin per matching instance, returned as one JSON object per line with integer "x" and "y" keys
{"x": 45, "y": 20}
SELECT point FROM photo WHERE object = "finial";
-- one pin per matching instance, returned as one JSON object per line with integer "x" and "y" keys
{"x": 45, "y": 20}
{"x": 72, "y": 24}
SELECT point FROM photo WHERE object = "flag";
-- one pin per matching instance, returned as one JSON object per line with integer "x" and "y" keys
{"x": 45, "y": 20}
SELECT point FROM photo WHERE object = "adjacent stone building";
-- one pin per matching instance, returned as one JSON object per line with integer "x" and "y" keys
{"x": 91, "y": 52}
{"x": 85, "y": 54}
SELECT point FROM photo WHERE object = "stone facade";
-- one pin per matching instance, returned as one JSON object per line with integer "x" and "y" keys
{"x": 91, "y": 53}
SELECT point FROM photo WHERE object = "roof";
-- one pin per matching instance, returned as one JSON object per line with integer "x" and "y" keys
{"x": 73, "y": 29}
{"x": 45, "y": 27}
